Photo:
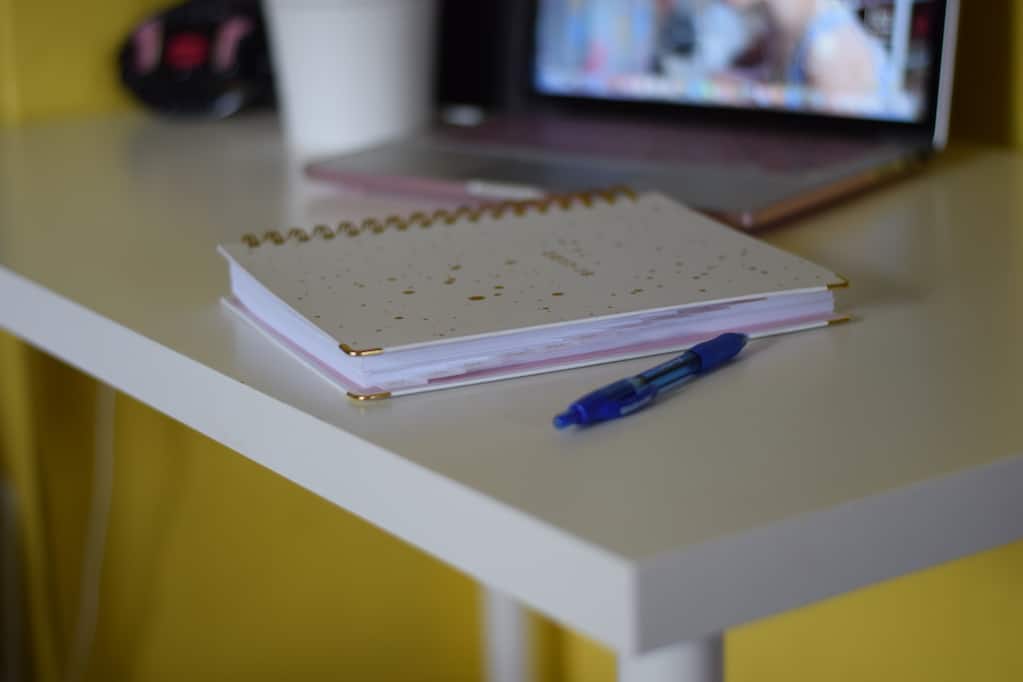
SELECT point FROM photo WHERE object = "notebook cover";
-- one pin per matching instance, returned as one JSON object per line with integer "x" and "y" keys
{"x": 406, "y": 281}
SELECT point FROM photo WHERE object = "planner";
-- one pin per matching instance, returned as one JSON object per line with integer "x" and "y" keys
{"x": 391, "y": 305}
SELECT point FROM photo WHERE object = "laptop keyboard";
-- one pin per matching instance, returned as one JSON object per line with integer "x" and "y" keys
{"x": 785, "y": 152}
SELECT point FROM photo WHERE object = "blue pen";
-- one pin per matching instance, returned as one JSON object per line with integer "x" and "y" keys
{"x": 624, "y": 397}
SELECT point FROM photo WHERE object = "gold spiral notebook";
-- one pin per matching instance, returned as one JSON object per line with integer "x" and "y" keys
{"x": 402, "y": 304}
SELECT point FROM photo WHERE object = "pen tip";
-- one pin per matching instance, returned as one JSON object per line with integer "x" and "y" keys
{"x": 565, "y": 419}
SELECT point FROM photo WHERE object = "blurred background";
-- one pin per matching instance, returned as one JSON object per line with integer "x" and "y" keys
{"x": 218, "y": 569}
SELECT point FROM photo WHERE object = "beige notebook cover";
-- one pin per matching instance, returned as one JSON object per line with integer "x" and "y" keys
{"x": 548, "y": 268}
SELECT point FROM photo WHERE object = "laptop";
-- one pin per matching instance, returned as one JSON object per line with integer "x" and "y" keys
{"x": 753, "y": 111}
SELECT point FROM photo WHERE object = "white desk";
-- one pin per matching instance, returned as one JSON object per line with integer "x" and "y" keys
{"x": 819, "y": 463}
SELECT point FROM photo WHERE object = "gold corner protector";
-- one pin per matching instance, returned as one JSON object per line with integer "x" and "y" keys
{"x": 843, "y": 283}
{"x": 359, "y": 353}
{"x": 839, "y": 320}
{"x": 369, "y": 397}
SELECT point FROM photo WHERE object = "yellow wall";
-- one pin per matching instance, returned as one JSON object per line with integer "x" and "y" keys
{"x": 956, "y": 622}
{"x": 988, "y": 102}
{"x": 218, "y": 569}
{"x": 57, "y": 57}
{"x": 8, "y": 103}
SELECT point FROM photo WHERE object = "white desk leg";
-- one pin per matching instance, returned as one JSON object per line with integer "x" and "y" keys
{"x": 505, "y": 638}
{"x": 698, "y": 661}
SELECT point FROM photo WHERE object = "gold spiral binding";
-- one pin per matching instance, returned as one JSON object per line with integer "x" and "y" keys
{"x": 473, "y": 213}
{"x": 298, "y": 233}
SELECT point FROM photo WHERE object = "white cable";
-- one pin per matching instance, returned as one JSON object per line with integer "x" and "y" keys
{"x": 96, "y": 536}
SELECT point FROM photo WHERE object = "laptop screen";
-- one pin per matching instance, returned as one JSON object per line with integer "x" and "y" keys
{"x": 870, "y": 59}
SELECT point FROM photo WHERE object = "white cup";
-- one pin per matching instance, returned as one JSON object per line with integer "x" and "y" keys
{"x": 351, "y": 73}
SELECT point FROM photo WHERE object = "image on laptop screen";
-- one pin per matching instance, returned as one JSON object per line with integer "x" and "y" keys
{"x": 854, "y": 58}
